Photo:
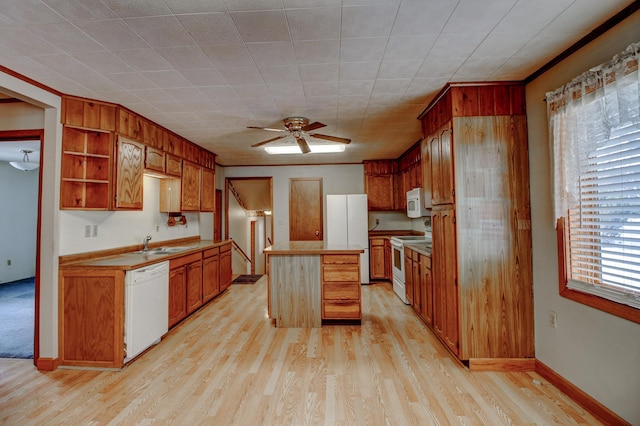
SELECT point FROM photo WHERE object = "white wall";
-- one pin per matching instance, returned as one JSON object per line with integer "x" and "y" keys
{"x": 595, "y": 351}
{"x": 51, "y": 150}
{"x": 18, "y": 227}
{"x": 21, "y": 116}
{"x": 239, "y": 230}
{"x": 123, "y": 228}
{"x": 336, "y": 179}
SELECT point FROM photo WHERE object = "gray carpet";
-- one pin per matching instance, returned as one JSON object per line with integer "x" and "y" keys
{"x": 16, "y": 318}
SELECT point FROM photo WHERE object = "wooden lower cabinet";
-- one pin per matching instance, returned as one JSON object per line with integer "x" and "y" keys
{"x": 194, "y": 285}
{"x": 225, "y": 266}
{"x": 340, "y": 280}
{"x": 210, "y": 274}
{"x": 408, "y": 275}
{"x": 426, "y": 290}
{"x": 378, "y": 259}
{"x": 91, "y": 318}
{"x": 177, "y": 295}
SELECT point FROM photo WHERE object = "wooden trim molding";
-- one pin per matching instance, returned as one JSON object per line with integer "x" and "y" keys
{"x": 47, "y": 364}
{"x": 502, "y": 364}
{"x": 618, "y": 309}
{"x": 598, "y": 410}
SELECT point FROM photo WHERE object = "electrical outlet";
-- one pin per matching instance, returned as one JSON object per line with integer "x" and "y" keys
{"x": 553, "y": 319}
{"x": 87, "y": 231}
{"x": 377, "y": 222}
{"x": 94, "y": 231}
{"x": 157, "y": 227}
{"x": 8, "y": 262}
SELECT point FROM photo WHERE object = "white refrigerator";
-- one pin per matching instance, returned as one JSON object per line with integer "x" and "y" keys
{"x": 348, "y": 223}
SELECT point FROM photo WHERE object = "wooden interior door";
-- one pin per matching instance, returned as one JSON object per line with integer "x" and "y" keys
{"x": 305, "y": 209}
{"x": 217, "y": 217}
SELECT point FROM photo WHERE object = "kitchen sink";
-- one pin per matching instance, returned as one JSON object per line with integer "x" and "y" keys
{"x": 165, "y": 250}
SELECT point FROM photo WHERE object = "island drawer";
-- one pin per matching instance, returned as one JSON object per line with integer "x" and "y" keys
{"x": 335, "y": 309}
{"x": 340, "y": 259}
{"x": 341, "y": 291}
{"x": 340, "y": 273}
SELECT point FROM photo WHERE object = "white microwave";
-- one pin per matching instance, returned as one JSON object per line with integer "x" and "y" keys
{"x": 415, "y": 206}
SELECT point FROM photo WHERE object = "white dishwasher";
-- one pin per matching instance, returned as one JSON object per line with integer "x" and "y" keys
{"x": 146, "y": 313}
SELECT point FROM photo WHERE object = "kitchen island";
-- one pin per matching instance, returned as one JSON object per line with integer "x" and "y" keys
{"x": 310, "y": 281}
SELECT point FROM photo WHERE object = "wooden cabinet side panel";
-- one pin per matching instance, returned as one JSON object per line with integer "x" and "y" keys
{"x": 494, "y": 235}
{"x": 92, "y": 318}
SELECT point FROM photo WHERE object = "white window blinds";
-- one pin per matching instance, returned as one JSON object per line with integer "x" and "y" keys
{"x": 595, "y": 135}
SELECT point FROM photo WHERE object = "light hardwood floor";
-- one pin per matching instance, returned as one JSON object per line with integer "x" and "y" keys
{"x": 228, "y": 365}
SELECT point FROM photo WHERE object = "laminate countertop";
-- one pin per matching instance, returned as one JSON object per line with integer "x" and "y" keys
{"x": 311, "y": 247}
{"x": 138, "y": 259}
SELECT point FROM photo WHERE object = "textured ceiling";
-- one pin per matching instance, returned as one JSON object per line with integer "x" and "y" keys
{"x": 206, "y": 69}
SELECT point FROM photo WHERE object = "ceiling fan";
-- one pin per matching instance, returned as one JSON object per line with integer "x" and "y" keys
{"x": 299, "y": 127}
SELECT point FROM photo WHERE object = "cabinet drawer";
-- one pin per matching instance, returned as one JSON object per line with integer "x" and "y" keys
{"x": 340, "y": 310}
{"x": 340, "y": 259}
{"x": 376, "y": 242}
{"x": 341, "y": 291}
{"x": 211, "y": 252}
{"x": 340, "y": 273}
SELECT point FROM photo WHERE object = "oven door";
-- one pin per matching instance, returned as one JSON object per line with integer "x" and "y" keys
{"x": 397, "y": 257}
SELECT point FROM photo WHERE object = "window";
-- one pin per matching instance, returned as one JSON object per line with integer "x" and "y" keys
{"x": 594, "y": 124}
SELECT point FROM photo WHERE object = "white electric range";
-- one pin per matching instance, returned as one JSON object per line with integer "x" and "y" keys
{"x": 397, "y": 261}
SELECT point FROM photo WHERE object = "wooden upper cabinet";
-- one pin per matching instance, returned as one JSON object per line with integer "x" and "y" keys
{"x": 173, "y": 165}
{"x": 425, "y": 165}
{"x": 130, "y": 125}
{"x": 379, "y": 184}
{"x": 442, "y": 170}
{"x": 129, "y": 178}
{"x": 208, "y": 190}
{"x": 154, "y": 159}
{"x": 88, "y": 114}
{"x": 190, "y": 186}
{"x": 85, "y": 181}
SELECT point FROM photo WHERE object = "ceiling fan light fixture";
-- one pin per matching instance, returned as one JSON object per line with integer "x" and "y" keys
{"x": 24, "y": 165}
{"x": 294, "y": 149}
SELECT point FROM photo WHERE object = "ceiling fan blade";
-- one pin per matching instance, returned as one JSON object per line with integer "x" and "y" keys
{"x": 267, "y": 141}
{"x": 330, "y": 138}
{"x": 313, "y": 126}
{"x": 304, "y": 147}
{"x": 267, "y": 128}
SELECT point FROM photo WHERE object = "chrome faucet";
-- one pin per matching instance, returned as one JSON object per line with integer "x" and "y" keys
{"x": 145, "y": 243}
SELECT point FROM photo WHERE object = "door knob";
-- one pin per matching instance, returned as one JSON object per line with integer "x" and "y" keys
{"x": 317, "y": 233}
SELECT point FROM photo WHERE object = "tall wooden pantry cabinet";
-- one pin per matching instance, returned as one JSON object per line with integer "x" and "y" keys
{"x": 475, "y": 161}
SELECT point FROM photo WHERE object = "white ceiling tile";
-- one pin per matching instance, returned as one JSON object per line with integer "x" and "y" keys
{"x": 23, "y": 42}
{"x": 398, "y": 69}
{"x": 352, "y": 103}
{"x": 216, "y": 93}
{"x": 95, "y": 81}
{"x": 368, "y": 21}
{"x": 404, "y": 48}
{"x": 321, "y": 106}
{"x": 186, "y": 57}
{"x": 113, "y": 34}
{"x": 185, "y": 94}
{"x": 211, "y": 28}
{"x": 498, "y": 44}
{"x": 290, "y": 105}
{"x": 229, "y": 55}
{"x": 144, "y": 59}
{"x": 166, "y": 79}
{"x": 477, "y": 16}
{"x": 545, "y": 44}
{"x": 478, "y": 67}
{"x": 80, "y": 10}
{"x": 161, "y": 31}
{"x": 280, "y": 74}
{"x": 130, "y": 80}
{"x": 355, "y": 88}
{"x": 262, "y": 26}
{"x": 582, "y": 16}
{"x": 281, "y": 90}
{"x": 321, "y": 88}
{"x": 29, "y": 12}
{"x": 290, "y": 4}
{"x": 531, "y": 15}
{"x": 425, "y": 86}
{"x": 195, "y": 6}
{"x": 439, "y": 67}
{"x": 151, "y": 95}
{"x": 242, "y": 75}
{"x": 122, "y": 97}
{"x": 314, "y": 24}
{"x": 6, "y": 22}
{"x": 273, "y": 53}
{"x": 396, "y": 87}
{"x": 235, "y": 5}
{"x": 128, "y": 8}
{"x": 317, "y": 51}
{"x": 456, "y": 45}
{"x": 362, "y": 49}
{"x": 63, "y": 64}
{"x": 103, "y": 62}
{"x": 422, "y": 17}
{"x": 66, "y": 37}
{"x": 359, "y": 70}
{"x": 319, "y": 72}
{"x": 204, "y": 77}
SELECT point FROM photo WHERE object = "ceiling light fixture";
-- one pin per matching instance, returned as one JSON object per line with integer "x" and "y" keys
{"x": 24, "y": 165}
{"x": 295, "y": 149}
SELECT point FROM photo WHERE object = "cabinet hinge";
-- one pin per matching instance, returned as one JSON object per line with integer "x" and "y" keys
{"x": 454, "y": 220}
{"x": 453, "y": 192}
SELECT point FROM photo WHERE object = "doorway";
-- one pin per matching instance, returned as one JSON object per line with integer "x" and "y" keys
{"x": 21, "y": 277}
{"x": 305, "y": 209}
